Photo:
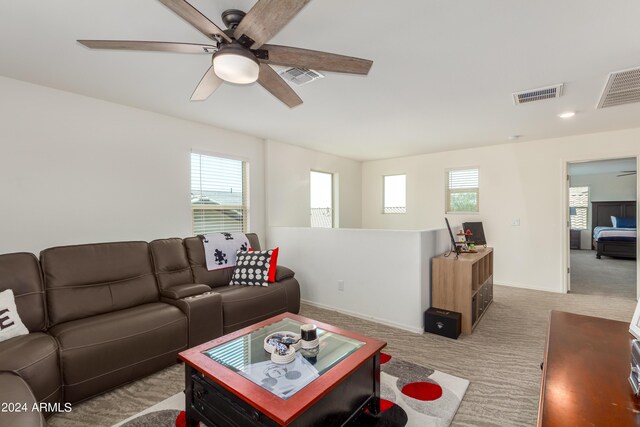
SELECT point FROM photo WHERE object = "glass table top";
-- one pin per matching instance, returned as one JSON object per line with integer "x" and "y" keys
{"x": 246, "y": 356}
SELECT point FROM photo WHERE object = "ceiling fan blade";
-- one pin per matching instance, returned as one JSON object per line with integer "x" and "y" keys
{"x": 266, "y": 18}
{"x": 148, "y": 46}
{"x": 316, "y": 60}
{"x": 195, "y": 18}
{"x": 208, "y": 84}
{"x": 271, "y": 81}
{"x": 625, "y": 173}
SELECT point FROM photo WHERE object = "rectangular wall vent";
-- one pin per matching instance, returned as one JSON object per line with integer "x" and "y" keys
{"x": 300, "y": 76}
{"x": 622, "y": 88}
{"x": 540, "y": 94}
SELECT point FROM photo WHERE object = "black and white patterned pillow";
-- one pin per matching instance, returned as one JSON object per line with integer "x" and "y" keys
{"x": 256, "y": 268}
{"x": 10, "y": 323}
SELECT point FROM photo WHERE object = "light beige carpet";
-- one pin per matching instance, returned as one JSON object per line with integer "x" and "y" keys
{"x": 605, "y": 276}
{"x": 501, "y": 360}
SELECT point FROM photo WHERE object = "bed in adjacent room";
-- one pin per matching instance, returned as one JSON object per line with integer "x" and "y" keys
{"x": 614, "y": 229}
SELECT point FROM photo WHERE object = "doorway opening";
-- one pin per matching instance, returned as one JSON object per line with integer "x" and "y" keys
{"x": 602, "y": 208}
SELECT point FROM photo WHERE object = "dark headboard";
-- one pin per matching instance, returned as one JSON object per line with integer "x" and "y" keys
{"x": 601, "y": 212}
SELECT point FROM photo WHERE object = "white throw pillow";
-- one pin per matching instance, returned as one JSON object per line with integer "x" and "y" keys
{"x": 10, "y": 323}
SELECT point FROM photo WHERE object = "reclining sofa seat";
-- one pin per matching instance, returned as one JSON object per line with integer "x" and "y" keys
{"x": 34, "y": 357}
{"x": 244, "y": 305}
{"x": 173, "y": 274}
{"x": 105, "y": 313}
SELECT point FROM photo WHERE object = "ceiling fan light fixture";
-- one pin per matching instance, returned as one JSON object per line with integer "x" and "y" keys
{"x": 234, "y": 64}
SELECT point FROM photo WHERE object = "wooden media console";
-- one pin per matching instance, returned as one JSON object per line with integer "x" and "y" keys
{"x": 464, "y": 285}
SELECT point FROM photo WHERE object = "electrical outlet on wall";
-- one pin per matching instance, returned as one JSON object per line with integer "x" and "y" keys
{"x": 516, "y": 222}
{"x": 341, "y": 285}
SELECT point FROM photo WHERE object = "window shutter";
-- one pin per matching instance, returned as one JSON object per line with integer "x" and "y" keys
{"x": 579, "y": 199}
{"x": 218, "y": 194}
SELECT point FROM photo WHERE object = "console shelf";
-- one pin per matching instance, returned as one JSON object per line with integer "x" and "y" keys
{"x": 464, "y": 285}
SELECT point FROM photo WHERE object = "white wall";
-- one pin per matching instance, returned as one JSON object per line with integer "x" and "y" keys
{"x": 287, "y": 181}
{"x": 603, "y": 188}
{"x": 522, "y": 181}
{"x": 386, "y": 274}
{"x": 75, "y": 169}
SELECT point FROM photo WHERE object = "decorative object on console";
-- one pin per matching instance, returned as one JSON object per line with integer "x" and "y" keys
{"x": 256, "y": 268}
{"x": 477, "y": 230}
{"x": 10, "y": 324}
{"x": 220, "y": 249}
{"x": 288, "y": 338}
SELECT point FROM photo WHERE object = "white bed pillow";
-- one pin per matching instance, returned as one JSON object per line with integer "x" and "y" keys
{"x": 10, "y": 323}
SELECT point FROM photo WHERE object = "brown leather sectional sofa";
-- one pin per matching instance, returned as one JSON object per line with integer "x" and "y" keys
{"x": 102, "y": 315}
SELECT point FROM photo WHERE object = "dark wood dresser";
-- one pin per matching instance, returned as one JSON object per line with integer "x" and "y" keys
{"x": 585, "y": 374}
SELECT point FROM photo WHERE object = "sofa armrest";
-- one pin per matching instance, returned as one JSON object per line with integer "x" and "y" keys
{"x": 283, "y": 273}
{"x": 14, "y": 390}
{"x": 183, "y": 291}
{"x": 204, "y": 315}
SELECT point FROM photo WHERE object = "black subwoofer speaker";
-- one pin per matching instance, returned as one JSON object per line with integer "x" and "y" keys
{"x": 443, "y": 322}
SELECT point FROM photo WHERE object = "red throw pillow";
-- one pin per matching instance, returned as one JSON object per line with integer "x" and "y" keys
{"x": 273, "y": 264}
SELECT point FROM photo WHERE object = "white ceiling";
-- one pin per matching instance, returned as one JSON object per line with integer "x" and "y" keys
{"x": 442, "y": 77}
{"x": 602, "y": 167}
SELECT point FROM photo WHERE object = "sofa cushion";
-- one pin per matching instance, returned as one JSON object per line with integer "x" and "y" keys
{"x": 35, "y": 358}
{"x": 87, "y": 280}
{"x": 14, "y": 390}
{"x": 10, "y": 323}
{"x": 170, "y": 262}
{"x": 196, "y": 257}
{"x": 107, "y": 350}
{"x": 245, "y": 305}
{"x": 20, "y": 272}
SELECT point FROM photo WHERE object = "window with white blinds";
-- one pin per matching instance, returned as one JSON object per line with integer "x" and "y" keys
{"x": 463, "y": 191}
{"x": 578, "y": 207}
{"x": 395, "y": 194}
{"x": 218, "y": 194}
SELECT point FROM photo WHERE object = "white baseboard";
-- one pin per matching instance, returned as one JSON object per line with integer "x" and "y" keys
{"x": 385, "y": 322}
{"x": 533, "y": 288}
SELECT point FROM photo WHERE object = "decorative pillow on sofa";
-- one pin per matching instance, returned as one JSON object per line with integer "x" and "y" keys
{"x": 10, "y": 323}
{"x": 256, "y": 268}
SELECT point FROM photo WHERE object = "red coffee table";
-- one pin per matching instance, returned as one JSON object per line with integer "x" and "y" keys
{"x": 231, "y": 381}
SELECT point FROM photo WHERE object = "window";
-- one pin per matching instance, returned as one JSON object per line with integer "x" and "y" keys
{"x": 321, "y": 199}
{"x": 463, "y": 192}
{"x": 578, "y": 207}
{"x": 395, "y": 194}
{"x": 218, "y": 194}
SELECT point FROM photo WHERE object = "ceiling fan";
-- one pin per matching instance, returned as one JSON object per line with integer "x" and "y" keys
{"x": 626, "y": 173}
{"x": 239, "y": 53}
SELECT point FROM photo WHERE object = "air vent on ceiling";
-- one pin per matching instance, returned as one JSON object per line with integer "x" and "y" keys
{"x": 300, "y": 76}
{"x": 539, "y": 94}
{"x": 622, "y": 88}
